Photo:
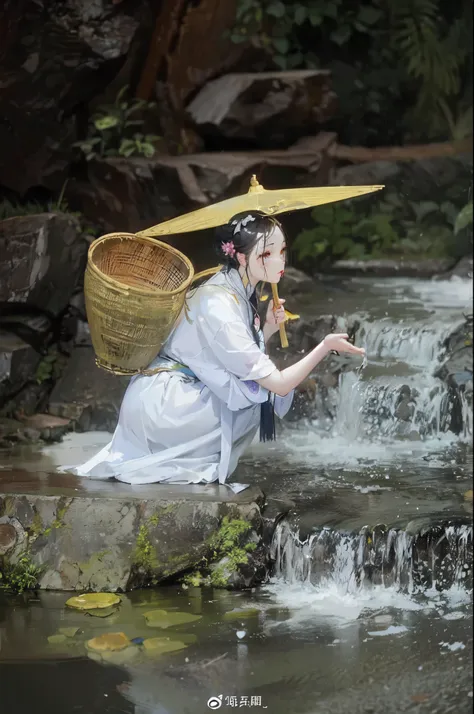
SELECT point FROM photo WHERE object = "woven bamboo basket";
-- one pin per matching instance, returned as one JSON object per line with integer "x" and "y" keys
{"x": 134, "y": 290}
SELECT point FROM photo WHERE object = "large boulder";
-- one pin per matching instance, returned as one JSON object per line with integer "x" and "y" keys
{"x": 42, "y": 260}
{"x": 270, "y": 109}
{"x": 87, "y": 395}
{"x": 57, "y": 58}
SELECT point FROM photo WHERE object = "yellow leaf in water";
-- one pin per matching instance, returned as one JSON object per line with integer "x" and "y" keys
{"x": 468, "y": 496}
{"x": 290, "y": 316}
{"x": 109, "y": 642}
{"x": 264, "y": 298}
{"x": 164, "y": 619}
{"x": 161, "y": 645}
{"x": 93, "y": 601}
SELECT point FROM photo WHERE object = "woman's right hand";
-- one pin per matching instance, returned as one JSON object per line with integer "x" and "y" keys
{"x": 339, "y": 343}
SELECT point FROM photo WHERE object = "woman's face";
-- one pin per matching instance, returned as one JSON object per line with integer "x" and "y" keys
{"x": 266, "y": 262}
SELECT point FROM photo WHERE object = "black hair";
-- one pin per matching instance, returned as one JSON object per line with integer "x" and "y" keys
{"x": 240, "y": 235}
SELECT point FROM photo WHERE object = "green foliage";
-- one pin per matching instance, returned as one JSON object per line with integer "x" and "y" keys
{"x": 227, "y": 543}
{"x": 112, "y": 130}
{"x": 392, "y": 228}
{"x": 464, "y": 218}
{"x": 387, "y": 56}
{"x": 19, "y": 576}
{"x": 10, "y": 209}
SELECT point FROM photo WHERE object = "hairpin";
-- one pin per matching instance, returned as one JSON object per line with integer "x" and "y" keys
{"x": 243, "y": 222}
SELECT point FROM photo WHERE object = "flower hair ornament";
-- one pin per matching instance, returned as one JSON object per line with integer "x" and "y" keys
{"x": 228, "y": 248}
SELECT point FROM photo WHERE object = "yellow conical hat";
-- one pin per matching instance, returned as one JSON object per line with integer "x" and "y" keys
{"x": 257, "y": 199}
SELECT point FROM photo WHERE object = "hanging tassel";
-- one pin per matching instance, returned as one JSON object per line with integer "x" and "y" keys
{"x": 267, "y": 421}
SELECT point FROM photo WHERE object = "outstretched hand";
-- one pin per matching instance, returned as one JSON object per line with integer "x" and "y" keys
{"x": 339, "y": 343}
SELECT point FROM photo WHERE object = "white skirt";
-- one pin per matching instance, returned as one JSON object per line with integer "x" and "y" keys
{"x": 170, "y": 430}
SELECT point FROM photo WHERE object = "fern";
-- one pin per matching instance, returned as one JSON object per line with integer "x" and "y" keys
{"x": 432, "y": 54}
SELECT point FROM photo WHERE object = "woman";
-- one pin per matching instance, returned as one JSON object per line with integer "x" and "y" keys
{"x": 190, "y": 419}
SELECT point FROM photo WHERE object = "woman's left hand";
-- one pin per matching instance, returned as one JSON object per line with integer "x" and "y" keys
{"x": 274, "y": 318}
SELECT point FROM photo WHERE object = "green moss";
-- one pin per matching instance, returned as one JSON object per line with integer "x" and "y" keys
{"x": 226, "y": 542}
{"x": 145, "y": 552}
{"x": 59, "y": 520}
{"x": 19, "y": 576}
{"x": 8, "y": 506}
{"x": 37, "y": 527}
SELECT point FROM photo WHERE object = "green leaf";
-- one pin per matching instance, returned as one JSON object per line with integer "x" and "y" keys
{"x": 281, "y": 44}
{"x": 315, "y": 18}
{"x": 164, "y": 619}
{"x": 330, "y": 9}
{"x": 105, "y": 122}
{"x": 464, "y": 218}
{"x": 341, "y": 35}
{"x": 147, "y": 149}
{"x": 424, "y": 208}
{"x": 276, "y": 9}
{"x": 301, "y": 13}
{"x": 369, "y": 15}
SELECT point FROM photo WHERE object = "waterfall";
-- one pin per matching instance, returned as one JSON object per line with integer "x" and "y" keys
{"x": 411, "y": 563}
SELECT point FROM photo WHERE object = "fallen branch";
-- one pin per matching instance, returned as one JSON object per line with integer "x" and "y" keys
{"x": 360, "y": 154}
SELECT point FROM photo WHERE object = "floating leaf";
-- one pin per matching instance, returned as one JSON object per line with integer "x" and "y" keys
{"x": 109, "y": 642}
{"x": 93, "y": 601}
{"x": 161, "y": 645}
{"x": 106, "y": 612}
{"x": 164, "y": 619}
{"x": 69, "y": 631}
{"x": 56, "y": 639}
{"x": 468, "y": 496}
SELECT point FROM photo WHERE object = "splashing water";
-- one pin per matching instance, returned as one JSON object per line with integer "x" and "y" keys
{"x": 342, "y": 574}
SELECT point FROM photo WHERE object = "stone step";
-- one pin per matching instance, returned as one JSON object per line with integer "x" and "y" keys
{"x": 102, "y": 535}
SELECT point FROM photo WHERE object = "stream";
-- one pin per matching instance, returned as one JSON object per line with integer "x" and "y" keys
{"x": 370, "y": 605}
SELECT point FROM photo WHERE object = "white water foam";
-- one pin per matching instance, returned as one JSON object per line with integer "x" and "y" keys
{"x": 312, "y": 581}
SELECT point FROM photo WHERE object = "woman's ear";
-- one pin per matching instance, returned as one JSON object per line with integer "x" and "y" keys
{"x": 241, "y": 259}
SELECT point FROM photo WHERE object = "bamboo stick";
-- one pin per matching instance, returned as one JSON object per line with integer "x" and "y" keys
{"x": 276, "y": 305}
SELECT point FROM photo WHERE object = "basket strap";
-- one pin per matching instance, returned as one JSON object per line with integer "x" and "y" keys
{"x": 150, "y": 372}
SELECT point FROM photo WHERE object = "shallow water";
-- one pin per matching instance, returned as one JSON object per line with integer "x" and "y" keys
{"x": 315, "y": 639}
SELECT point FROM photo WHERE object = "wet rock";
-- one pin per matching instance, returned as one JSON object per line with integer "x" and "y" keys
{"x": 272, "y": 109}
{"x": 462, "y": 269}
{"x": 87, "y": 395}
{"x": 437, "y": 179}
{"x": 13, "y": 538}
{"x": 13, "y": 431}
{"x": 49, "y": 428}
{"x": 42, "y": 259}
{"x": 47, "y": 253}
{"x": 405, "y": 405}
{"x": 456, "y": 371}
{"x": 109, "y": 537}
{"x": 275, "y": 510}
{"x": 8, "y": 538}
{"x": 59, "y": 57}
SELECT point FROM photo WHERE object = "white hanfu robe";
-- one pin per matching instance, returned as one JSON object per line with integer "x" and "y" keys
{"x": 191, "y": 423}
